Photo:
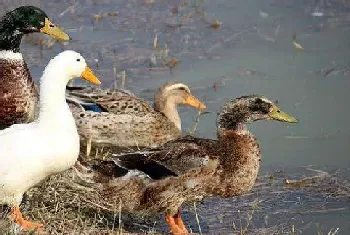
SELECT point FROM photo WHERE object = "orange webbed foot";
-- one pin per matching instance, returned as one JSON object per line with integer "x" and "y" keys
{"x": 16, "y": 216}
{"x": 180, "y": 223}
{"x": 176, "y": 224}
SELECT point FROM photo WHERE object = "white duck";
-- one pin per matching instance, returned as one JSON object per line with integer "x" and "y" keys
{"x": 31, "y": 152}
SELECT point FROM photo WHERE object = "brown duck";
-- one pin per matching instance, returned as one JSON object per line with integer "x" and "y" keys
{"x": 188, "y": 169}
{"x": 123, "y": 120}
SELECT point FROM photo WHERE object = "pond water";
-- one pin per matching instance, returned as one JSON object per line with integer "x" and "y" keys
{"x": 252, "y": 52}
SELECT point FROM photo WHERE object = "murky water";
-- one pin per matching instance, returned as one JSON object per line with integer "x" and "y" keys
{"x": 252, "y": 52}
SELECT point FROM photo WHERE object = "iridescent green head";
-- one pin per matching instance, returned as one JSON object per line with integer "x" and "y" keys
{"x": 24, "y": 20}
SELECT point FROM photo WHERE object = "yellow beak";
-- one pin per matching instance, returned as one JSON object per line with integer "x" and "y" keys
{"x": 54, "y": 31}
{"x": 88, "y": 75}
{"x": 194, "y": 102}
{"x": 279, "y": 115}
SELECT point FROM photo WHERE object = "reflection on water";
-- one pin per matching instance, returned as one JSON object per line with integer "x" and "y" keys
{"x": 252, "y": 52}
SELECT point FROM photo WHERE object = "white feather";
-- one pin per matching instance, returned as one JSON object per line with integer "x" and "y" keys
{"x": 31, "y": 152}
{"x": 10, "y": 55}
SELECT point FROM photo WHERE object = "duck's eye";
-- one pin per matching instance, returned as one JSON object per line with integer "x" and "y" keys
{"x": 182, "y": 88}
{"x": 78, "y": 60}
{"x": 52, "y": 26}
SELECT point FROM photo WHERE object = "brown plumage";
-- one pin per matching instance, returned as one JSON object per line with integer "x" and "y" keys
{"x": 189, "y": 169}
{"x": 128, "y": 121}
{"x": 18, "y": 96}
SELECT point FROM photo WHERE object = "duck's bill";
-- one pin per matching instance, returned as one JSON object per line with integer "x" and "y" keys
{"x": 88, "y": 75}
{"x": 279, "y": 115}
{"x": 194, "y": 102}
{"x": 50, "y": 29}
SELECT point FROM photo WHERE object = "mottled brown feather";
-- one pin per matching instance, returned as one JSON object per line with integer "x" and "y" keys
{"x": 128, "y": 121}
{"x": 18, "y": 96}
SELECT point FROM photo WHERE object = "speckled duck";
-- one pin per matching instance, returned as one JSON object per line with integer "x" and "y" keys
{"x": 188, "y": 169}
{"x": 127, "y": 121}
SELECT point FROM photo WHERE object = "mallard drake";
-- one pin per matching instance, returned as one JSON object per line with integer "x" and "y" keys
{"x": 123, "y": 120}
{"x": 31, "y": 152}
{"x": 18, "y": 96}
{"x": 188, "y": 169}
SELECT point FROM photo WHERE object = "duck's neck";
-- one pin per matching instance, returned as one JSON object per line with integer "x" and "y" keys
{"x": 54, "y": 112}
{"x": 233, "y": 118}
{"x": 240, "y": 161}
{"x": 10, "y": 37}
{"x": 169, "y": 109}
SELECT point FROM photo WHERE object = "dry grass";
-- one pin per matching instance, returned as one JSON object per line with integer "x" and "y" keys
{"x": 67, "y": 207}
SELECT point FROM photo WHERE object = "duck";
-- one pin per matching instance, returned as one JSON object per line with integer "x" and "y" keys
{"x": 187, "y": 169}
{"x": 18, "y": 95}
{"x": 121, "y": 119}
{"x": 30, "y": 152}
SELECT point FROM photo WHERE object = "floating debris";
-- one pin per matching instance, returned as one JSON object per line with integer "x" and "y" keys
{"x": 123, "y": 78}
{"x": 277, "y": 30}
{"x": 172, "y": 63}
{"x": 317, "y": 13}
{"x": 155, "y": 41}
{"x": 174, "y": 10}
{"x": 263, "y": 14}
{"x": 98, "y": 17}
{"x": 307, "y": 181}
{"x": 296, "y": 44}
{"x": 153, "y": 60}
{"x": 217, "y": 24}
{"x": 264, "y": 36}
{"x": 334, "y": 70}
{"x": 70, "y": 9}
{"x": 330, "y": 71}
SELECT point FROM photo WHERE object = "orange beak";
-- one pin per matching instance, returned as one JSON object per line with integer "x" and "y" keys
{"x": 88, "y": 75}
{"x": 194, "y": 102}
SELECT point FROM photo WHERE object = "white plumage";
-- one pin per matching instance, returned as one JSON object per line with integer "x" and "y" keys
{"x": 31, "y": 152}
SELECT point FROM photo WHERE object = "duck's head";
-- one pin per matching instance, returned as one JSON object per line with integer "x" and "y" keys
{"x": 70, "y": 64}
{"x": 24, "y": 20}
{"x": 172, "y": 94}
{"x": 246, "y": 109}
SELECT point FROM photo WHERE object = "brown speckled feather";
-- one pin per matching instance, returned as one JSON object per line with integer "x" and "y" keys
{"x": 18, "y": 96}
{"x": 113, "y": 101}
{"x": 125, "y": 121}
{"x": 185, "y": 154}
{"x": 137, "y": 129}
{"x": 123, "y": 104}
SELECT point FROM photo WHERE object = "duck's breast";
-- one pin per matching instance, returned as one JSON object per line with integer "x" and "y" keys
{"x": 28, "y": 155}
{"x": 18, "y": 96}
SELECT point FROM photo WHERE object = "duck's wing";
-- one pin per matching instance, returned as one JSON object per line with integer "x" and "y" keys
{"x": 124, "y": 130}
{"x": 174, "y": 158}
{"x": 95, "y": 93}
{"x": 115, "y": 101}
{"x": 123, "y": 104}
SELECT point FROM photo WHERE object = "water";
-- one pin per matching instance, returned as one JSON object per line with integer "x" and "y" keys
{"x": 251, "y": 53}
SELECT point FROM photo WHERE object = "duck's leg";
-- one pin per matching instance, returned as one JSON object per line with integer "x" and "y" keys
{"x": 173, "y": 226}
{"x": 16, "y": 216}
{"x": 173, "y": 221}
{"x": 179, "y": 222}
